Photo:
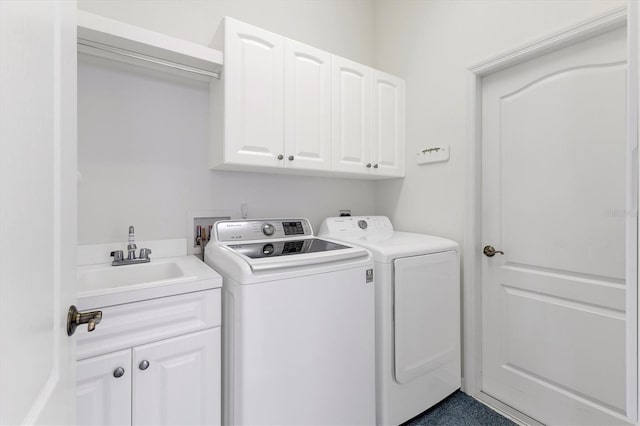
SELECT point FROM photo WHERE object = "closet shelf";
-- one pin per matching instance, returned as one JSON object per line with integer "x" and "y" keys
{"x": 100, "y": 36}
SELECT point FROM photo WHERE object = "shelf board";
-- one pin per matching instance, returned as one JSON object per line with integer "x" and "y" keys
{"x": 106, "y": 37}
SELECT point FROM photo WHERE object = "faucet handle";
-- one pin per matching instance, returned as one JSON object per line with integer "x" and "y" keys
{"x": 117, "y": 255}
{"x": 144, "y": 253}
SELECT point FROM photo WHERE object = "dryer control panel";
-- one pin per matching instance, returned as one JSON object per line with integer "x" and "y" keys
{"x": 262, "y": 229}
{"x": 355, "y": 224}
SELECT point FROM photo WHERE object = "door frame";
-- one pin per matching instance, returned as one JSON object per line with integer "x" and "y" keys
{"x": 472, "y": 271}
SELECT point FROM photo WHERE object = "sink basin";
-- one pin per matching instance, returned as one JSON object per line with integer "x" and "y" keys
{"x": 118, "y": 276}
{"x": 105, "y": 285}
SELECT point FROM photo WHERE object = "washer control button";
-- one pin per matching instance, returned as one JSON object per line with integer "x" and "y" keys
{"x": 363, "y": 224}
{"x": 267, "y": 249}
{"x": 268, "y": 229}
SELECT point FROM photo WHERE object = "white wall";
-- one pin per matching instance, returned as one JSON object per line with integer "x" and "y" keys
{"x": 343, "y": 27}
{"x": 143, "y": 140}
{"x": 431, "y": 44}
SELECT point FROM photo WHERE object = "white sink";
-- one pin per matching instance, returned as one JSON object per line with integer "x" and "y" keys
{"x": 105, "y": 285}
{"x": 118, "y": 276}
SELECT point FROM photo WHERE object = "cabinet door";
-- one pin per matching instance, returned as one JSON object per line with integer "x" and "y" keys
{"x": 103, "y": 398}
{"x": 307, "y": 115}
{"x": 181, "y": 384}
{"x": 351, "y": 127}
{"x": 387, "y": 149}
{"x": 254, "y": 95}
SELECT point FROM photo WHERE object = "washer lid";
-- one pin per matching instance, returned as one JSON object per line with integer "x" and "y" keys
{"x": 388, "y": 246}
{"x": 272, "y": 255}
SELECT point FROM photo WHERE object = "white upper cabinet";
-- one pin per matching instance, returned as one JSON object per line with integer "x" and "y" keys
{"x": 351, "y": 107}
{"x": 387, "y": 141}
{"x": 253, "y": 95}
{"x": 287, "y": 107}
{"x": 307, "y": 108}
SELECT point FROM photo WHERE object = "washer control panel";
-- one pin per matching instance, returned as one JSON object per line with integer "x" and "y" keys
{"x": 261, "y": 229}
{"x": 355, "y": 224}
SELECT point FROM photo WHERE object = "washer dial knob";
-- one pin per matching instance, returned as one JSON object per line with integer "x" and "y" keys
{"x": 363, "y": 224}
{"x": 268, "y": 229}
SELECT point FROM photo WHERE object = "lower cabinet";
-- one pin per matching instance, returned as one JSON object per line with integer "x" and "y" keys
{"x": 177, "y": 381}
{"x": 160, "y": 381}
{"x": 103, "y": 389}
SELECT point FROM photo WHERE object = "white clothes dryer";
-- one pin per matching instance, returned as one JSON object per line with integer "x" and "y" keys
{"x": 298, "y": 325}
{"x": 417, "y": 314}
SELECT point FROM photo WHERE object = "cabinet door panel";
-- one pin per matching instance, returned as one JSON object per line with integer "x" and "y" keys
{"x": 254, "y": 100}
{"x": 102, "y": 398}
{"x": 351, "y": 134}
{"x": 307, "y": 115}
{"x": 181, "y": 385}
{"x": 388, "y": 124}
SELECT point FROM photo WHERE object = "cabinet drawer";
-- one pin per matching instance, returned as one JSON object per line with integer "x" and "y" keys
{"x": 131, "y": 324}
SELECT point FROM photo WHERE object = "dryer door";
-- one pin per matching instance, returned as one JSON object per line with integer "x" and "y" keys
{"x": 427, "y": 313}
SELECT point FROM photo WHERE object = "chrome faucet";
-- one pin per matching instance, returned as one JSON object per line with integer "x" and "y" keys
{"x": 118, "y": 255}
{"x": 131, "y": 247}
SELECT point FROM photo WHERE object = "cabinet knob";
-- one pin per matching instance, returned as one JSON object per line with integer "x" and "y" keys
{"x": 369, "y": 165}
{"x": 144, "y": 365}
{"x": 118, "y": 372}
{"x": 291, "y": 157}
{"x": 280, "y": 157}
{"x": 375, "y": 166}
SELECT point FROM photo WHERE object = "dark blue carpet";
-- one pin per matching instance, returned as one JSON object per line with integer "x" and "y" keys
{"x": 459, "y": 409}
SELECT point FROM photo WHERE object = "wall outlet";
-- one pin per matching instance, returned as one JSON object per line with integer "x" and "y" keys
{"x": 346, "y": 212}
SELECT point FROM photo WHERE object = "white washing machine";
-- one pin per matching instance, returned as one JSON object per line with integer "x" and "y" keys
{"x": 298, "y": 325}
{"x": 417, "y": 314}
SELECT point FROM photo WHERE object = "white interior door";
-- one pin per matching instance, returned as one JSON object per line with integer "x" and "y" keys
{"x": 37, "y": 210}
{"x": 554, "y": 188}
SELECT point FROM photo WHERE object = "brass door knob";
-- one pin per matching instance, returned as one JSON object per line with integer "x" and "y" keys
{"x": 75, "y": 318}
{"x": 489, "y": 251}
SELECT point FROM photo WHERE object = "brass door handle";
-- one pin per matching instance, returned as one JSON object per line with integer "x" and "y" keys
{"x": 75, "y": 318}
{"x": 489, "y": 251}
